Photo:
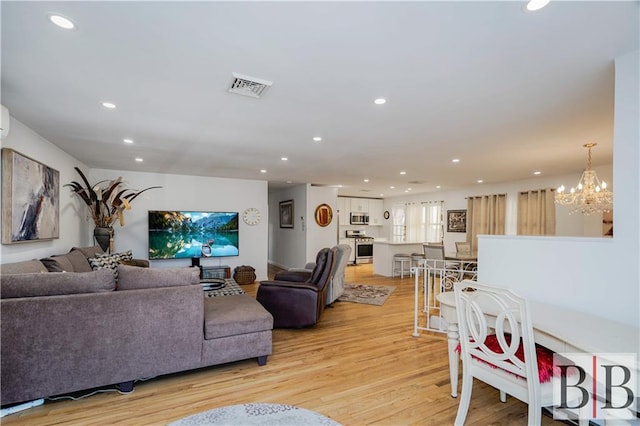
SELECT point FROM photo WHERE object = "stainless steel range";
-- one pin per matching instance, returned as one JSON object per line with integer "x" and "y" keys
{"x": 363, "y": 250}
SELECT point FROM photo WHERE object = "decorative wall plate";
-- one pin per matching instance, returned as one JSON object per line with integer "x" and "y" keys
{"x": 386, "y": 214}
{"x": 324, "y": 215}
{"x": 251, "y": 216}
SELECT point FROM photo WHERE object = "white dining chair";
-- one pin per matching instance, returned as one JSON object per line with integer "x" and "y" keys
{"x": 493, "y": 324}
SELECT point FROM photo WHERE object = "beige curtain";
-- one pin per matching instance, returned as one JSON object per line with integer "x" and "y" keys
{"x": 485, "y": 215}
{"x": 536, "y": 212}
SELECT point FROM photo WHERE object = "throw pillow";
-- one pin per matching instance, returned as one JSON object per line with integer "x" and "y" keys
{"x": 133, "y": 277}
{"x": 88, "y": 252}
{"x": 55, "y": 283}
{"x": 57, "y": 263}
{"x": 109, "y": 261}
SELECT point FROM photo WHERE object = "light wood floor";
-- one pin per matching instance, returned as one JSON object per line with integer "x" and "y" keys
{"x": 359, "y": 365}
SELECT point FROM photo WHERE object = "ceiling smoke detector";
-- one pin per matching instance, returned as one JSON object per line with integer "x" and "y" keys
{"x": 248, "y": 86}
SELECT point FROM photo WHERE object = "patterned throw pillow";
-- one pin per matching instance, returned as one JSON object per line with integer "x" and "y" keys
{"x": 110, "y": 261}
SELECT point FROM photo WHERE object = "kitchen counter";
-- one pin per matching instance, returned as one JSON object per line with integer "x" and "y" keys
{"x": 383, "y": 251}
{"x": 399, "y": 243}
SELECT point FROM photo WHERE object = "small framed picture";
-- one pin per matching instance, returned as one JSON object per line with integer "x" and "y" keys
{"x": 456, "y": 221}
{"x": 286, "y": 214}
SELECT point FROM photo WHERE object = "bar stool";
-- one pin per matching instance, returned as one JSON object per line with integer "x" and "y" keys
{"x": 401, "y": 260}
{"x": 415, "y": 260}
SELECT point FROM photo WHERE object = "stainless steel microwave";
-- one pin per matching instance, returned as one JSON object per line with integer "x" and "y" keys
{"x": 359, "y": 218}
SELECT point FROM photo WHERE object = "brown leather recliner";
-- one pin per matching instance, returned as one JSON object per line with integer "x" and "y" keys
{"x": 299, "y": 304}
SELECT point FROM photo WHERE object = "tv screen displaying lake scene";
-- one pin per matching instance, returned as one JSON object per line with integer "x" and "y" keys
{"x": 188, "y": 234}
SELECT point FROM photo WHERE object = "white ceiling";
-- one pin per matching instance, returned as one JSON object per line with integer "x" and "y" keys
{"x": 507, "y": 92}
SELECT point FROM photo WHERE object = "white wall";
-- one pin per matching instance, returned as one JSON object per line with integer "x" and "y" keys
{"x": 198, "y": 193}
{"x": 566, "y": 224}
{"x": 178, "y": 193}
{"x": 287, "y": 246}
{"x": 293, "y": 248}
{"x": 595, "y": 275}
{"x": 73, "y": 227}
{"x": 319, "y": 237}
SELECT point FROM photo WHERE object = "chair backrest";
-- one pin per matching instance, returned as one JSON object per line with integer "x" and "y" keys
{"x": 481, "y": 309}
{"x": 463, "y": 247}
{"x": 433, "y": 252}
{"x": 343, "y": 254}
{"x": 324, "y": 266}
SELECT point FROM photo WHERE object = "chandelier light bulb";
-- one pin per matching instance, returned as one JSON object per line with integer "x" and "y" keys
{"x": 604, "y": 185}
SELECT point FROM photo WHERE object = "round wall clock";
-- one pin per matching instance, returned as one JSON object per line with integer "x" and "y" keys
{"x": 386, "y": 214}
{"x": 251, "y": 216}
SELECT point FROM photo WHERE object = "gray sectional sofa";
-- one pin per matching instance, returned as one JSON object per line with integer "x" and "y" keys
{"x": 63, "y": 332}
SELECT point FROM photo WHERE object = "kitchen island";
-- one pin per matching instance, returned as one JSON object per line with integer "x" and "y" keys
{"x": 383, "y": 251}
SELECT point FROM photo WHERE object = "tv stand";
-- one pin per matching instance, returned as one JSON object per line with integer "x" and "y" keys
{"x": 221, "y": 271}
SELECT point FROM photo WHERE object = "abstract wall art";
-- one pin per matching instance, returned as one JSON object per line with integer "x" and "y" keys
{"x": 30, "y": 199}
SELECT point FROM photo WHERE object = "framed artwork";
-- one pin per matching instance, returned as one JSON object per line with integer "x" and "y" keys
{"x": 324, "y": 215}
{"x": 286, "y": 214}
{"x": 30, "y": 199}
{"x": 456, "y": 221}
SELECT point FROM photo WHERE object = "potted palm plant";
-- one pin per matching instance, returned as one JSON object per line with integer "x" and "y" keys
{"x": 107, "y": 200}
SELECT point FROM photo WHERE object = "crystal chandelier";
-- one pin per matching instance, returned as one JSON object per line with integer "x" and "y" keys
{"x": 590, "y": 196}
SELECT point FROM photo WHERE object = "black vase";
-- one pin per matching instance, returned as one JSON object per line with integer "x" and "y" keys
{"x": 103, "y": 237}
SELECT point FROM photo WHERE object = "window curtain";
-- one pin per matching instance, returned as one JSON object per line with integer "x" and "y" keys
{"x": 433, "y": 221}
{"x": 485, "y": 215}
{"x": 398, "y": 222}
{"x": 414, "y": 222}
{"x": 418, "y": 222}
{"x": 536, "y": 212}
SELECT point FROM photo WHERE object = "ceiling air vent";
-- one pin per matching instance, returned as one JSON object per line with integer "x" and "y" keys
{"x": 249, "y": 86}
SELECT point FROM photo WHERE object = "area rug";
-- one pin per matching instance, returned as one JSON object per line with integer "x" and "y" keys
{"x": 364, "y": 293}
{"x": 256, "y": 414}
{"x": 230, "y": 288}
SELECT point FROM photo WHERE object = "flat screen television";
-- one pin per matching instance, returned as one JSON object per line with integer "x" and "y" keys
{"x": 192, "y": 234}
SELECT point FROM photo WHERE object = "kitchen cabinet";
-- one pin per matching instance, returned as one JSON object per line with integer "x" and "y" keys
{"x": 359, "y": 205}
{"x": 372, "y": 206}
{"x": 344, "y": 210}
{"x": 376, "y": 212}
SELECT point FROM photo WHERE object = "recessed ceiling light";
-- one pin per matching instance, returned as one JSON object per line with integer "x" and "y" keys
{"x": 139, "y": 160}
{"x": 109, "y": 105}
{"x": 380, "y": 101}
{"x": 392, "y": 187}
{"x": 438, "y": 187}
{"x": 61, "y": 21}
{"x": 455, "y": 160}
{"x": 263, "y": 171}
{"x": 366, "y": 180}
{"x": 403, "y": 172}
{"x": 479, "y": 181}
{"x": 127, "y": 140}
{"x": 408, "y": 189}
{"x": 534, "y": 5}
{"x": 381, "y": 194}
{"x": 317, "y": 139}
{"x": 284, "y": 158}
{"x": 289, "y": 181}
{"x": 537, "y": 173}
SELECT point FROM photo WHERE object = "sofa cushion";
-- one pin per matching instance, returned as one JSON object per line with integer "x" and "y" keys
{"x": 234, "y": 315}
{"x": 55, "y": 283}
{"x": 110, "y": 261}
{"x": 133, "y": 277}
{"x": 57, "y": 263}
{"x": 90, "y": 251}
{"x": 25, "y": 267}
{"x": 74, "y": 261}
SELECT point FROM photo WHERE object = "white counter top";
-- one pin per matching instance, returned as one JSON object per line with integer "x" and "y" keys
{"x": 397, "y": 242}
